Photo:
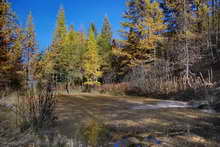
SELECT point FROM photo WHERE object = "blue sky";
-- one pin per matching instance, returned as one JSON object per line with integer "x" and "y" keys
{"x": 80, "y": 13}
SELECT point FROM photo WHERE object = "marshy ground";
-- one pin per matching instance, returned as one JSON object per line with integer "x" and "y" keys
{"x": 172, "y": 126}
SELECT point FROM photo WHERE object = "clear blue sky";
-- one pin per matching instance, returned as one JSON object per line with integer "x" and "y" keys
{"x": 80, "y": 13}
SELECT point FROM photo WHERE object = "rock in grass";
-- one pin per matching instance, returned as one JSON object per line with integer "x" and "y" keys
{"x": 151, "y": 139}
{"x": 133, "y": 140}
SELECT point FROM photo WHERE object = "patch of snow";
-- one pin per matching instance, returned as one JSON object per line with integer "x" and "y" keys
{"x": 164, "y": 104}
{"x": 208, "y": 110}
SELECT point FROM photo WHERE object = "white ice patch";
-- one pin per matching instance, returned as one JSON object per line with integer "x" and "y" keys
{"x": 165, "y": 104}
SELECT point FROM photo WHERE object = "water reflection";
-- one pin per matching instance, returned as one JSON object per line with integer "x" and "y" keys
{"x": 138, "y": 142}
{"x": 62, "y": 141}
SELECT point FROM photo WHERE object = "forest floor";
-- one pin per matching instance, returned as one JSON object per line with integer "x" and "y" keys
{"x": 175, "y": 127}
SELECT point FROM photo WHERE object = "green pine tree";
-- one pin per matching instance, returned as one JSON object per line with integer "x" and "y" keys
{"x": 106, "y": 30}
{"x": 105, "y": 47}
{"x": 54, "y": 63}
{"x": 72, "y": 54}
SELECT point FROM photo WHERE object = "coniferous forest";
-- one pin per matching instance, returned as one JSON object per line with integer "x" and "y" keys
{"x": 158, "y": 84}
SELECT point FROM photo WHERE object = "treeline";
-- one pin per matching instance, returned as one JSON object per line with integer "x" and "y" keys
{"x": 181, "y": 31}
{"x": 73, "y": 56}
{"x": 174, "y": 41}
{"x": 165, "y": 41}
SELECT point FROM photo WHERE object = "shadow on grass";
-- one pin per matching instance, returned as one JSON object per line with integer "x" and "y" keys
{"x": 116, "y": 113}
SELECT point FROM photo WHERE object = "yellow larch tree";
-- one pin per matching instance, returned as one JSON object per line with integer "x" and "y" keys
{"x": 91, "y": 60}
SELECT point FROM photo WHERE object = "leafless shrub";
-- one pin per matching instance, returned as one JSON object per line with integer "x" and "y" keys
{"x": 160, "y": 79}
{"x": 155, "y": 79}
{"x": 115, "y": 89}
{"x": 36, "y": 111}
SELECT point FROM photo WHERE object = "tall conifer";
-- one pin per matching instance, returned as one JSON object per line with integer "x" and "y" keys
{"x": 91, "y": 59}
{"x": 144, "y": 27}
{"x": 104, "y": 42}
{"x": 30, "y": 49}
{"x": 11, "y": 45}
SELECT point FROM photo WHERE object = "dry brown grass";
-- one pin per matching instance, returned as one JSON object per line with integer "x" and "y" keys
{"x": 174, "y": 127}
{"x": 117, "y": 114}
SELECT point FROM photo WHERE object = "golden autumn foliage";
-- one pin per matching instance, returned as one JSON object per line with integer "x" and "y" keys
{"x": 145, "y": 27}
{"x": 11, "y": 46}
{"x": 152, "y": 26}
{"x": 91, "y": 59}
